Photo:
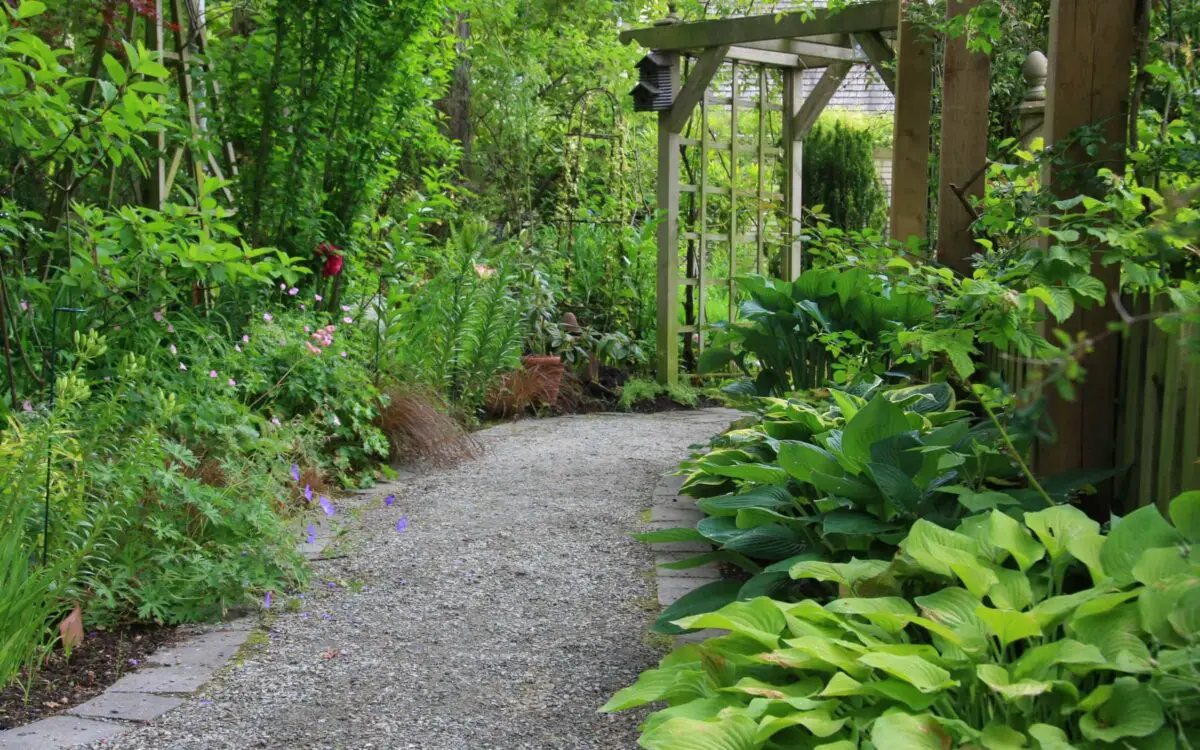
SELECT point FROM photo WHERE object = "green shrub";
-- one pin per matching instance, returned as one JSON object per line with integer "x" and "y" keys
{"x": 638, "y": 390}
{"x": 839, "y": 175}
{"x": 1028, "y": 631}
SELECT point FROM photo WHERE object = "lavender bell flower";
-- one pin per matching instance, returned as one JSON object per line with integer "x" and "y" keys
{"x": 389, "y": 500}
{"x": 296, "y": 472}
{"x": 267, "y": 600}
{"x": 308, "y": 493}
{"x": 402, "y": 524}
{"x": 312, "y": 534}
{"x": 327, "y": 506}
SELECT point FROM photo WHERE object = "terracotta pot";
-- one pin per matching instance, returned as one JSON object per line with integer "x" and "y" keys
{"x": 548, "y": 369}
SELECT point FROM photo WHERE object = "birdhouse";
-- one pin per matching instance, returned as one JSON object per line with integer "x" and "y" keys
{"x": 655, "y": 91}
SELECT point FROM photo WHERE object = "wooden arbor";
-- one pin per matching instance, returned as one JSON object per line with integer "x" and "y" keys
{"x": 761, "y": 60}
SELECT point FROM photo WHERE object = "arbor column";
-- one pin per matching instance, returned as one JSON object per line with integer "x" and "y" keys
{"x": 1092, "y": 44}
{"x": 910, "y": 161}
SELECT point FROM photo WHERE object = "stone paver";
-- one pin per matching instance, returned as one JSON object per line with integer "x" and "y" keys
{"x": 183, "y": 678}
{"x": 56, "y": 732}
{"x": 139, "y": 707}
{"x": 210, "y": 650}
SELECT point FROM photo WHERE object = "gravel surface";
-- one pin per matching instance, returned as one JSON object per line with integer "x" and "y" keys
{"x": 510, "y": 608}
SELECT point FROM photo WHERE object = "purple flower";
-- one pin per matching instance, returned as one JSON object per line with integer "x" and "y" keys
{"x": 275, "y": 421}
{"x": 232, "y": 383}
{"x": 308, "y": 493}
{"x": 212, "y": 373}
{"x": 293, "y": 292}
{"x": 343, "y": 355}
{"x": 267, "y": 600}
{"x": 134, "y": 662}
{"x": 268, "y": 317}
{"x": 282, "y": 286}
{"x": 158, "y": 316}
{"x": 24, "y": 305}
{"x": 295, "y": 472}
{"x": 345, "y": 308}
{"x": 170, "y": 328}
{"x": 26, "y": 406}
{"x": 402, "y": 524}
{"x": 327, "y": 506}
{"x": 245, "y": 338}
{"x": 312, "y": 534}
{"x": 318, "y": 297}
{"x": 347, "y": 320}
{"x": 389, "y": 500}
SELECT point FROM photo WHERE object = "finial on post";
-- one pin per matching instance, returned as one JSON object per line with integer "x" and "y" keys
{"x": 672, "y": 16}
{"x": 1035, "y": 70}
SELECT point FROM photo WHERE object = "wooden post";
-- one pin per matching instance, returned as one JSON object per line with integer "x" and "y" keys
{"x": 793, "y": 167}
{"x": 910, "y": 166}
{"x": 964, "y": 145}
{"x": 668, "y": 243}
{"x": 1091, "y": 49}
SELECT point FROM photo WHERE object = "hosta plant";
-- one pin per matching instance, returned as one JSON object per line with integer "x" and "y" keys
{"x": 826, "y": 482}
{"x": 1034, "y": 633}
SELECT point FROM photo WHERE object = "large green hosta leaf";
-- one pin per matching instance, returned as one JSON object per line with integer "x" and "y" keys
{"x": 1058, "y": 525}
{"x": 846, "y": 574}
{"x": 818, "y": 723}
{"x": 878, "y": 420}
{"x": 1117, "y": 633}
{"x": 1143, "y": 529}
{"x": 1039, "y": 660}
{"x": 997, "y": 678}
{"x": 1131, "y": 711}
{"x": 759, "y": 619}
{"x": 921, "y": 673}
{"x": 672, "y": 685}
{"x": 760, "y": 473}
{"x": 1185, "y": 514}
{"x": 774, "y": 542}
{"x": 734, "y": 732}
{"x": 769, "y": 497}
{"x": 1009, "y": 626}
{"x": 897, "y": 730}
{"x": 1008, "y": 534}
{"x": 955, "y": 608}
{"x": 707, "y": 598}
{"x": 802, "y": 459}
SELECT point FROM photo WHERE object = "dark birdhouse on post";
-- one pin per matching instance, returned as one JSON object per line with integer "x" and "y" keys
{"x": 655, "y": 91}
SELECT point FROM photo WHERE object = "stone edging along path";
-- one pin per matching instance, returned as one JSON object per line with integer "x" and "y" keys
{"x": 170, "y": 676}
{"x": 670, "y": 509}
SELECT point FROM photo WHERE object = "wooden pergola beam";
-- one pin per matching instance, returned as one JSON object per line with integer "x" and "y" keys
{"x": 818, "y": 99}
{"x": 765, "y": 57}
{"x": 875, "y": 16}
{"x": 693, "y": 89}
{"x": 882, "y": 58}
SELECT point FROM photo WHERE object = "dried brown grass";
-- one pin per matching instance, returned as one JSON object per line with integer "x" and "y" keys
{"x": 419, "y": 430}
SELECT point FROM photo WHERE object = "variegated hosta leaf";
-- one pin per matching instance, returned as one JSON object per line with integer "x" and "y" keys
{"x": 758, "y": 618}
{"x": 955, "y": 608}
{"x": 997, "y": 678}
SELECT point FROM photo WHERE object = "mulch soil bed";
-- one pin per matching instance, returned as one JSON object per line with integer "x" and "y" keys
{"x": 62, "y": 683}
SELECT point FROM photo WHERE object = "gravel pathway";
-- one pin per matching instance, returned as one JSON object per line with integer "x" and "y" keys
{"x": 513, "y": 605}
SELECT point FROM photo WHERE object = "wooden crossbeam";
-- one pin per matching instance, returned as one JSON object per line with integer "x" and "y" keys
{"x": 875, "y": 16}
{"x": 818, "y": 99}
{"x": 765, "y": 57}
{"x": 693, "y": 89}
{"x": 881, "y": 56}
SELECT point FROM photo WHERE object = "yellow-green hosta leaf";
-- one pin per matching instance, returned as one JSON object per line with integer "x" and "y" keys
{"x": 997, "y": 678}
{"x": 898, "y": 730}
{"x": 842, "y": 685}
{"x": 999, "y": 737}
{"x": 955, "y": 608}
{"x": 1050, "y": 738}
{"x": 1117, "y": 633}
{"x": 878, "y": 420}
{"x": 1011, "y": 590}
{"x": 921, "y": 673}
{"x": 818, "y": 723}
{"x": 1037, "y": 661}
{"x": 1008, "y": 534}
{"x": 901, "y": 692}
{"x": 827, "y": 653}
{"x": 702, "y": 709}
{"x": 735, "y": 732}
{"x": 1131, "y": 711}
{"x": 759, "y": 619}
{"x": 760, "y": 689}
{"x": 1086, "y": 549}
{"x": 1058, "y": 525}
{"x": 887, "y": 612}
{"x": 1161, "y": 563}
{"x": 1056, "y": 609}
{"x": 839, "y": 745}
{"x": 937, "y": 628}
{"x": 1104, "y": 603}
{"x": 1185, "y": 514}
{"x": 660, "y": 685}
{"x": 1008, "y": 625}
{"x": 846, "y": 574}
{"x": 1143, "y": 529}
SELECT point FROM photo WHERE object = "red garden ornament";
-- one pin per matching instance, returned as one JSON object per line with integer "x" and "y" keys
{"x": 333, "y": 259}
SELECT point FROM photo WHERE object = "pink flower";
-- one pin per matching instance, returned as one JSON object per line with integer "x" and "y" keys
{"x": 345, "y": 308}
{"x": 26, "y": 406}
{"x": 331, "y": 328}
{"x": 212, "y": 373}
{"x": 232, "y": 383}
{"x": 307, "y": 329}
{"x": 268, "y": 317}
{"x": 484, "y": 272}
{"x": 183, "y": 367}
{"x": 245, "y": 339}
{"x": 174, "y": 350}
{"x": 347, "y": 320}
{"x": 318, "y": 297}
{"x": 24, "y": 305}
{"x": 170, "y": 328}
{"x": 158, "y": 316}
{"x": 282, "y": 286}
{"x": 293, "y": 292}
{"x": 303, "y": 306}
{"x": 343, "y": 355}
{"x": 275, "y": 421}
